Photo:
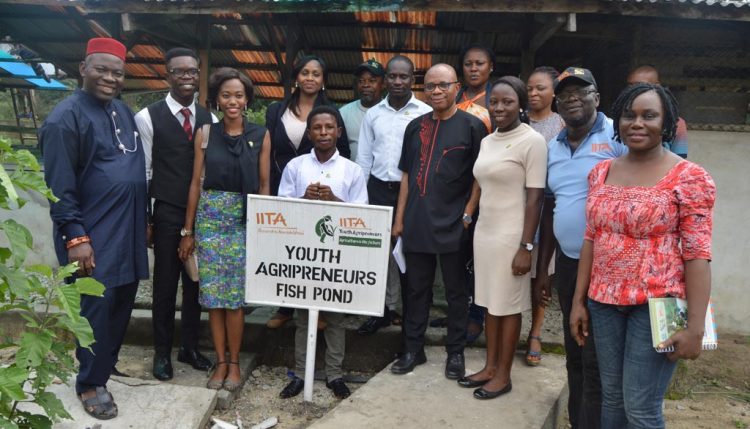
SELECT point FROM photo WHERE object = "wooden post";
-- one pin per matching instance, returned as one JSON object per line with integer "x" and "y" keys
{"x": 204, "y": 33}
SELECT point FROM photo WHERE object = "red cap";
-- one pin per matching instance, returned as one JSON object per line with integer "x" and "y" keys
{"x": 105, "y": 45}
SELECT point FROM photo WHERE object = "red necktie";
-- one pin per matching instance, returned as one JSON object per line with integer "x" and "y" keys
{"x": 186, "y": 123}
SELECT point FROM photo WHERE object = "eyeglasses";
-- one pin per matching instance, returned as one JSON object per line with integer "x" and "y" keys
{"x": 577, "y": 93}
{"x": 183, "y": 72}
{"x": 444, "y": 86}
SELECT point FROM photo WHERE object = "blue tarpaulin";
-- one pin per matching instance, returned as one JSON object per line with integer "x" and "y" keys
{"x": 17, "y": 71}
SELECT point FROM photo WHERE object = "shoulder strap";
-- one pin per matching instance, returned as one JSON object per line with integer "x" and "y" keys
{"x": 205, "y": 130}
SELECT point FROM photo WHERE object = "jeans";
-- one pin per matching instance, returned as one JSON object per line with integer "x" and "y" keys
{"x": 585, "y": 400}
{"x": 634, "y": 376}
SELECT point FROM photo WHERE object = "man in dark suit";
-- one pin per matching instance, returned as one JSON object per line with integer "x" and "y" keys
{"x": 167, "y": 129}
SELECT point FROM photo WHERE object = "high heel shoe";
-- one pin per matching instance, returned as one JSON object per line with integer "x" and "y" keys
{"x": 215, "y": 384}
{"x": 232, "y": 385}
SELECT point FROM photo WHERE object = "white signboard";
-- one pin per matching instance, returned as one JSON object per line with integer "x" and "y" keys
{"x": 317, "y": 255}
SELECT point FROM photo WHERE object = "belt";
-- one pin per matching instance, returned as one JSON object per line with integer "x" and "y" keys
{"x": 389, "y": 185}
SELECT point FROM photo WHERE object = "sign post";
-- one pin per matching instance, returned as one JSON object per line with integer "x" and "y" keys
{"x": 316, "y": 256}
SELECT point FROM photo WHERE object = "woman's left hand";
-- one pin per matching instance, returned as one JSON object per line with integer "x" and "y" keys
{"x": 521, "y": 262}
{"x": 687, "y": 344}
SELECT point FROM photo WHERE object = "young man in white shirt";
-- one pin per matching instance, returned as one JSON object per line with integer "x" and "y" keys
{"x": 322, "y": 175}
{"x": 380, "y": 139}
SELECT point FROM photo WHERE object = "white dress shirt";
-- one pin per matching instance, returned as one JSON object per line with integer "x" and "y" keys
{"x": 146, "y": 128}
{"x": 343, "y": 176}
{"x": 382, "y": 135}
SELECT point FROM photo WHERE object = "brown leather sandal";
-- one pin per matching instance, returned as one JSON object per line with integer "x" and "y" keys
{"x": 100, "y": 406}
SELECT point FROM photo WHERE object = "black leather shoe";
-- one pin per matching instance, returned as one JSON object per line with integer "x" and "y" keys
{"x": 339, "y": 388}
{"x": 455, "y": 367}
{"x": 117, "y": 372}
{"x": 408, "y": 361}
{"x": 372, "y": 325}
{"x": 293, "y": 388}
{"x": 162, "y": 368}
{"x": 194, "y": 358}
{"x": 486, "y": 394}
{"x": 467, "y": 382}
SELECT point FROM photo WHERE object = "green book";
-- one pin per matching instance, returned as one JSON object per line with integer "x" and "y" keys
{"x": 669, "y": 315}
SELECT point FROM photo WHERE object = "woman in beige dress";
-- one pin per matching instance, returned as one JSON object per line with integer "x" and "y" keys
{"x": 511, "y": 171}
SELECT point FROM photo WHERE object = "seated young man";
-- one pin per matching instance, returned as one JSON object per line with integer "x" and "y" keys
{"x": 327, "y": 176}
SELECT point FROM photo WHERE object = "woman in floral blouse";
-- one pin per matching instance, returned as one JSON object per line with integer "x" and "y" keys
{"x": 649, "y": 217}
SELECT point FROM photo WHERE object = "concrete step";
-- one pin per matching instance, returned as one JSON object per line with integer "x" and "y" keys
{"x": 275, "y": 347}
{"x": 424, "y": 398}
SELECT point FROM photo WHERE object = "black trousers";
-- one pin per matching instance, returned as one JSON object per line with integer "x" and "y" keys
{"x": 109, "y": 316}
{"x": 585, "y": 402}
{"x": 420, "y": 270}
{"x": 168, "y": 221}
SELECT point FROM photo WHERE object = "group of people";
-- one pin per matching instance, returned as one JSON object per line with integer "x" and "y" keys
{"x": 491, "y": 178}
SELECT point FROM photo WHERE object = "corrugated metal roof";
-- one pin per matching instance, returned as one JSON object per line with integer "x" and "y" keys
{"x": 723, "y": 3}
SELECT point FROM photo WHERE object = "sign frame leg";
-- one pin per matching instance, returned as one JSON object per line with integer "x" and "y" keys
{"x": 312, "y": 339}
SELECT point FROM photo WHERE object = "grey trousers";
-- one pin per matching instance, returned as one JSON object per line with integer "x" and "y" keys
{"x": 335, "y": 336}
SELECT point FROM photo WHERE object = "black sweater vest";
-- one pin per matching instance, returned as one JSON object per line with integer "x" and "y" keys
{"x": 172, "y": 153}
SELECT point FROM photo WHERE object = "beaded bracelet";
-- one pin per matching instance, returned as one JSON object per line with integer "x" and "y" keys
{"x": 73, "y": 242}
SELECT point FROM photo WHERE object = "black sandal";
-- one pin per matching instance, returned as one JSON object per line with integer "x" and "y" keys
{"x": 100, "y": 406}
{"x": 215, "y": 384}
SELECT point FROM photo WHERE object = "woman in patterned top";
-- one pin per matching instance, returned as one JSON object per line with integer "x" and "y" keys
{"x": 648, "y": 235}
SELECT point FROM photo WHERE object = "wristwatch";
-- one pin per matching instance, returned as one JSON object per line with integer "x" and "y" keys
{"x": 467, "y": 218}
{"x": 185, "y": 232}
{"x": 528, "y": 246}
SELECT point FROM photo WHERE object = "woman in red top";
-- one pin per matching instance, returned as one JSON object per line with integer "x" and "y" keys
{"x": 649, "y": 217}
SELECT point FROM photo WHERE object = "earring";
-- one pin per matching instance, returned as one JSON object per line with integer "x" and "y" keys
{"x": 324, "y": 87}
{"x": 296, "y": 85}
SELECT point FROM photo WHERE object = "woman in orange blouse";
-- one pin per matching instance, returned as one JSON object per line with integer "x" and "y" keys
{"x": 649, "y": 216}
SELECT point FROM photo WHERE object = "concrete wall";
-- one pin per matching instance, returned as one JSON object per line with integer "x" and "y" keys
{"x": 726, "y": 155}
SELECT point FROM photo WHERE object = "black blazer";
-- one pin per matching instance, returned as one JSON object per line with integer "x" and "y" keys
{"x": 282, "y": 149}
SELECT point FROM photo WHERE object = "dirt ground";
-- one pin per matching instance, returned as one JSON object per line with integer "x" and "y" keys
{"x": 714, "y": 390}
{"x": 711, "y": 392}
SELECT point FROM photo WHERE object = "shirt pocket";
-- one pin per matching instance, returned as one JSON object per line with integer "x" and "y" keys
{"x": 451, "y": 164}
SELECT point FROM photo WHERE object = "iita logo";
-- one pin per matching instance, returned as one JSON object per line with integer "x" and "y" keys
{"x": 270, "y": 218}
{"x": 352, "y": 222}
{"x": 324, "y": 228}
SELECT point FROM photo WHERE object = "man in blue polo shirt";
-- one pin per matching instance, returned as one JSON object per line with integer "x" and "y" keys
{"x": 585, "y": 141}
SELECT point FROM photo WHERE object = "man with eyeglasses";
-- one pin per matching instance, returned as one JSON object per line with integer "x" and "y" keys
{"x": 167, "y": 129}
{"x": 586, "y": 140}
{"x": 369, "y": 85}
{"x": 380, "y": 139}
{"x": 93, "y": 162}
{"x": 436, "y": 204}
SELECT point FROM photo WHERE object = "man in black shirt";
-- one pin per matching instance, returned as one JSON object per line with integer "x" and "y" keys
{"x": 437, "y": 199}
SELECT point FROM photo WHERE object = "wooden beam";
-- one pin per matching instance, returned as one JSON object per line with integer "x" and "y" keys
{"x": 203, "y": 30}
{"x": 204, "y": 7}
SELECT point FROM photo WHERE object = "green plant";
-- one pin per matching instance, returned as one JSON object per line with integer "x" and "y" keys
{"x": 42, "y": 297}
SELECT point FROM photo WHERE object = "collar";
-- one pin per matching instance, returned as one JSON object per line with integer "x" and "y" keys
{"x": 90, "y": 99}
{"x": 175, "y": 106}
{"x": 597, "y": 127}
{"x": 330, "y": 160}
{"x": 412, "y": 102}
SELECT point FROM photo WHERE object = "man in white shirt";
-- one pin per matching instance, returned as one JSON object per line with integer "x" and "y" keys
{"x": 322, "y": 175}
{"x": 167, "y": 129}
{"x": 369, "y": 88}
{"x": 380, "y": 139}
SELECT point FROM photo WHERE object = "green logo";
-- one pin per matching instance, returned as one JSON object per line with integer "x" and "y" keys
{"x": 324, "y": 228}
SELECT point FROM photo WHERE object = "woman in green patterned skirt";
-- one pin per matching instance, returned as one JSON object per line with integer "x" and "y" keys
{"x": 233, "y": 156}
